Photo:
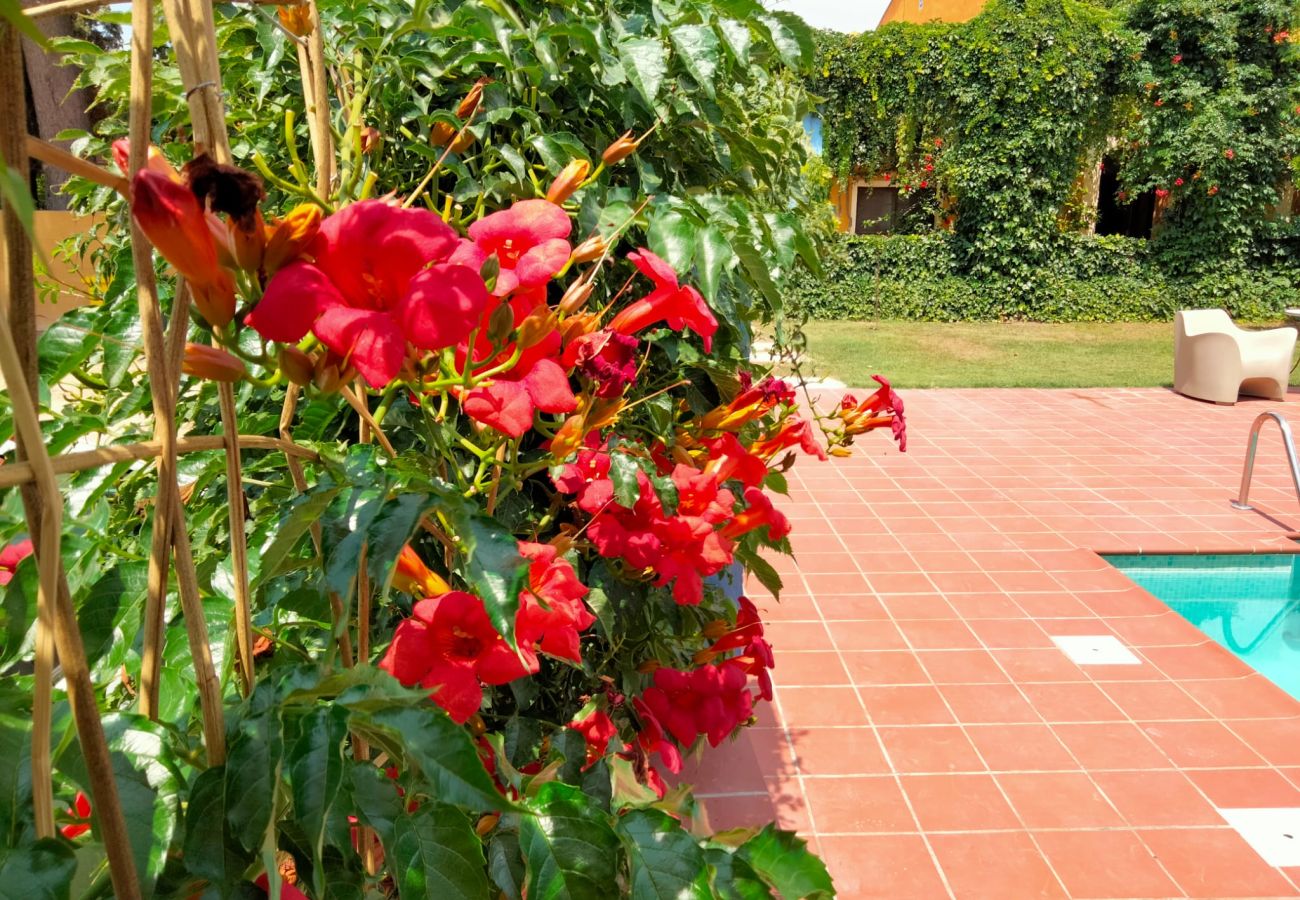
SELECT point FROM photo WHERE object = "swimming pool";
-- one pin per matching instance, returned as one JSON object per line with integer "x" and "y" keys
{"x": 1247, "y": 602}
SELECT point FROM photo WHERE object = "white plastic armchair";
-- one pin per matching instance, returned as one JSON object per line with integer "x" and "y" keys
{"x": 1215, "y": 360}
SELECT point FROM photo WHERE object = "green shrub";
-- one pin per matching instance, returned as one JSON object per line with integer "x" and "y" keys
{"x": 1090, "y": 279}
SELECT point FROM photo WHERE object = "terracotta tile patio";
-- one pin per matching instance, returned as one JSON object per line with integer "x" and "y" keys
{"x": 931, "y": 740}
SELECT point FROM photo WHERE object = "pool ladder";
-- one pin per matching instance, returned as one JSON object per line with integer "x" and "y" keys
{"x": 1252, "y": 442}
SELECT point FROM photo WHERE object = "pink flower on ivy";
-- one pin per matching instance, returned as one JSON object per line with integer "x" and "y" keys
{"x": 1178, "y": 182}
{"x": 380, "y": 279}
{"x": 552, "y": 614}
{"x": 1177, "y": 58}
{"x": 1229, "y": 154}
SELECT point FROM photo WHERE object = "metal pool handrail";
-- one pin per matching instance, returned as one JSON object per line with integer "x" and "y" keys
{"x": 1243, "y": 496}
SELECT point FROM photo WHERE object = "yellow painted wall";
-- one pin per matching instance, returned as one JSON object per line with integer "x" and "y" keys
{"x": 931, "y": 11}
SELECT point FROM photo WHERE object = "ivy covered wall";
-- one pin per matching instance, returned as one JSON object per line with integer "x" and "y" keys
{"x": 998, "y": 116}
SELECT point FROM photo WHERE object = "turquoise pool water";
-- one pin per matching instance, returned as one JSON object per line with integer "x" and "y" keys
{"x": 1247, "y": 602}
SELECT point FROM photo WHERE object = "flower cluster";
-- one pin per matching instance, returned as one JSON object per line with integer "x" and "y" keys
{"x": 517, "y": 375}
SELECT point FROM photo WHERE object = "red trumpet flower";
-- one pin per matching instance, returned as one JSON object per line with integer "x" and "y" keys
{"x": 680, "y": 306}
{"x": 759, "y": 513}
{"x": 381, "y": 279}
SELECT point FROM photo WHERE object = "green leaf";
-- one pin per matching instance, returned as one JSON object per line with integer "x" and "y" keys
{"x": 733, "y": 879}
{"x": 494, "y": 568}
{"x": 100, "y": 612}
{"x": 782, "y": 860}
{"x": 698, "y": 47}
{"x": 737, "y": 36}
{"x": 211, "y": 850}
{"x": 148, "y": 787}
{"x": 761, "y": 569}
{"x": 645, "y": 61}
{"x": 665, "y": 862}
{"x": 315, "y": 763}
{"x": 19, "y": 609}
{"x": 442, "y": 749}
{"x": 12, "y": 12}
{"x": 712, "y": 257}
{"x": 12, "y": 188}
{"x": 39, "y": 871}
{"x": 506, "y": 864}
{"x": 672, "y": 236}
{"x": 15, "y": 777}
{"x": 305, "y": 511}
{"x": 570, "y": 851}
{"x": 378, "y": 803}
{"x": 623, "y": 473}
{"x": 252, "y": 775}
{"x": 436, "y": 855}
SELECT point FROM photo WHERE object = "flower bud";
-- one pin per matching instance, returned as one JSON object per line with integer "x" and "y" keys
{"x": 287, "y": 238}
{"x": 593, "y": 247}
{"x": 222, "y": 239}
{"x": 441, "y": 134}
{"x": 489, "y": 271}
{"x": 649, "y": 666}
{"x": 296, "y": 365}
{"x": 620, "y": 150}
{"x": 170, "y": 217}
{"x": 463, "y": 142}
{"x": 486, "y": 824}
{"x": 329, "y": 375}
{"x": 296, "y": 19}
{"x": 370, "y": 139}
{"x": 212, "y": 363}
{"x": 574, "y": 174}
{"x": 248, "y": 243}
{"x": 472, "y": 100}
{"x": 413, "y": 577}
{"x": 154, "y": 160}
{"x": 840, "y": 451}
{"x": 500, "y": 324}
{"x": 539, "y": 323}
{"x": 576, "y": 296}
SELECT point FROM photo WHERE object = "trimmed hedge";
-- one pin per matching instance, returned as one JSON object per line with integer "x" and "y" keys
{"x": 1088, "y": 279}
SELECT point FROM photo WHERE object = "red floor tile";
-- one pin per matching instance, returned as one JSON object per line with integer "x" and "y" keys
{"x": 1058, "y": 800}
{"x": 869, "y": 635}
{"x": 988, "y": 703}
{"x": 1200, "y": 744}
{"x": 885, "y": 667}
{"x": 850, "y": 804}
{"x": 1019, "y": 634}
{"x": 905, "y": 705}
{"x": 1028, "y": 666}
{"x": 1227, "y": 788}
{"x": 1215, "y": 862}
{"x": 1077, "y": 701}
{"x": 1277, "y": 740}
{"x": 885, "y": 866}
{"x": 1157, "y": 798}
{"x": 995, "y": 866}
{"x": 803, "y": 707}
{"x": 935, "y": 749}
{"x": 1020, "y": 748}
{"x": 837, "y": 751}
{"x": 1153, "y": 700}
{"x": 958, "y": 803}
{"x": 1105, "y": 864}
{"x": 1111, "y": 745}
{"x": 938, "y": 634}
{"x": 961, "y": 667}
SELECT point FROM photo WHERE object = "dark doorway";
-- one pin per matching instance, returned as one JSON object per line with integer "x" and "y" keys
{"x": 879, "y": 210}
{"x": 1130, "y": 217}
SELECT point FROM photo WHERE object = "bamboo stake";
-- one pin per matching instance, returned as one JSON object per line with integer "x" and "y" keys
{"x": 194, "y": 42}
{"x": 151, "y": 328}
{"x": 43, "y": 505}
{"x": 21, "y": 472}
{"x": 59, "y": 158}
{"x": 61, "y": 7}
{"x": 21, "y": 313}
{"x": 320, "y": 108}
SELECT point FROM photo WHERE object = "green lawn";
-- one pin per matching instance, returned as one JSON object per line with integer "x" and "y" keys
{"x": 994, "y": 354}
